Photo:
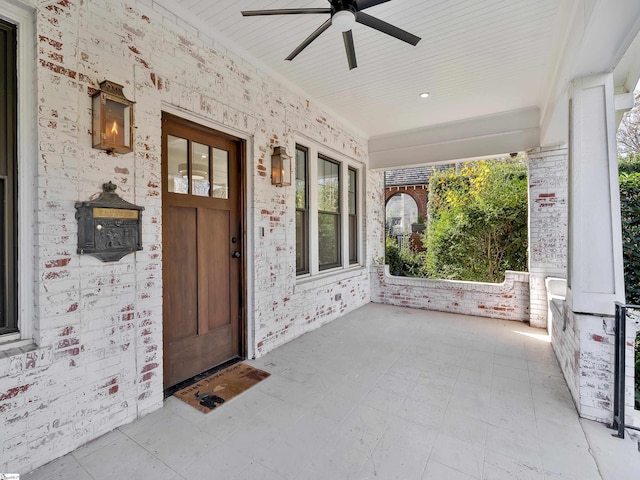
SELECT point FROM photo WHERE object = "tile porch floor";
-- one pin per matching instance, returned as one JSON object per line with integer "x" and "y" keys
{"x": 382, "y": 393}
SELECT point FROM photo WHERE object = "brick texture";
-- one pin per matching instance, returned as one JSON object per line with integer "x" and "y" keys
{"x": 508, "y": 300}
{"x": 548, "y": 217}
{"x": 96, "y": 362}
{"x": 584, "y": 346}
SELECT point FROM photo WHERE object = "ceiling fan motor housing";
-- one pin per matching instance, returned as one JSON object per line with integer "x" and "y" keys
{"x": 342, "y": 5}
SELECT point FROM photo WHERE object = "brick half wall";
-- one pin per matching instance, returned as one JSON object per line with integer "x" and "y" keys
{"x": 508, "y": 300}
{"x": 584, "y": 346}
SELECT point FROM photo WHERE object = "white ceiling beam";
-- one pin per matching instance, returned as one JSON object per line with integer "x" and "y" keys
{"x": 477, "y": 137}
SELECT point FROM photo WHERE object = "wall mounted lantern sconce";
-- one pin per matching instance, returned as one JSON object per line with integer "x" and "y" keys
{"x": 280, "y": 167}
{"x": 112, "y": 119}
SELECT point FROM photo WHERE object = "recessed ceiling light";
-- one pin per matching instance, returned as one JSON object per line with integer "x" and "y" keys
{"x": 424, "y": 94}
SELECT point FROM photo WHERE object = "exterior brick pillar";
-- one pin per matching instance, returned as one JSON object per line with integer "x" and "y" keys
{"x": 582, "y": 327}
{"x": 548, "y": 217}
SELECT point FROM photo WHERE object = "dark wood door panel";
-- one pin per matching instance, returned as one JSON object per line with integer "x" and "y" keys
{"x": 193, "y": 355}
{"x": 180, "y": 271}
{"x": 214, "y": 257}
{"x": 202, "y": 280}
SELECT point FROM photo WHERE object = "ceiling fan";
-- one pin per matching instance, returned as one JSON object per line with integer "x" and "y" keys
{"x": 343, "y": 16}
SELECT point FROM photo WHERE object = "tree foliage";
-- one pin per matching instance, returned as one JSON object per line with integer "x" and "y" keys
{"x": 477, "y": 224}
{"x": 629, "y": 178}
{"x": 629, "y": 130}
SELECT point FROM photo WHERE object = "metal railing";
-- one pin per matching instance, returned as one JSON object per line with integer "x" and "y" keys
{"x": 619, "y": 369}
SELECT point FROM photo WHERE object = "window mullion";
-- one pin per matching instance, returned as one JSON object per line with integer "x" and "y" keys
{"x": 344, "y": 212}
{"x": 313, "y": 211}
{"x": 360, "y": 212}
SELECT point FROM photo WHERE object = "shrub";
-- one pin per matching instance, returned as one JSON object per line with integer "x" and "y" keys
{"x": 401, "y": 260}
{"x": 478, "y": 221}
{"x": 629, "y": 178}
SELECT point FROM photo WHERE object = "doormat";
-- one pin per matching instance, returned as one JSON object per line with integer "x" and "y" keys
{"x": 213, "y": 391}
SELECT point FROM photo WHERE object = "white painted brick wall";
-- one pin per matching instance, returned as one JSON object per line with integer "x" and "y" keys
{"x": 585, "y": 351}
{"x": 98, "y": 327}
{"x": 508, "y": 300}
{"x": 583, "y": 344}
{"x": 566, "y": 345}
{"x": 548, "y": 217}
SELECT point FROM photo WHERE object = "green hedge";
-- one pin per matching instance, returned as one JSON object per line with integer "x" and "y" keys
{"x": 629, "y": 177}
{"x": 477, "y": 221}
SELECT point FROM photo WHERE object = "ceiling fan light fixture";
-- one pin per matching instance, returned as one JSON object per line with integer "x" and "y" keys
{"x": 343, "y": 21}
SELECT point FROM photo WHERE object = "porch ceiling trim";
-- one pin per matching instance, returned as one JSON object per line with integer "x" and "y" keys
{"x": 603, "y": 38}
{"x": 477, "y": 137}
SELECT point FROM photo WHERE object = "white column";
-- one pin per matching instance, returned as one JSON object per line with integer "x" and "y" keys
{"x": 595, "y": 272}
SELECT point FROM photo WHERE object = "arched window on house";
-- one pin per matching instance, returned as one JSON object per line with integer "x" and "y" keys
{"x": 401, "y": 212}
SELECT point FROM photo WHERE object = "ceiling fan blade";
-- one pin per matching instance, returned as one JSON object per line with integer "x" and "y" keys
{"x": 309, "y": 39}
{"x": 387, "y": 28}
{"x": 350, "y": 48}
{"x": 285, "y": 11}
{"x": 362, "y": 4}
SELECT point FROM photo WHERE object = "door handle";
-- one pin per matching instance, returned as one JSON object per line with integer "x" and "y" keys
{"x": 236, "y": 254}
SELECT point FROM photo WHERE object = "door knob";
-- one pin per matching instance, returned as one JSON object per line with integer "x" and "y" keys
{"x": 236, "y": 254}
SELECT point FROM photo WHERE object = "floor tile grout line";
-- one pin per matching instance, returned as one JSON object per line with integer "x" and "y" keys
{"x": 342, "y": 422}
{"x": 162, "y": 461}
{"x": 81, "y": 465}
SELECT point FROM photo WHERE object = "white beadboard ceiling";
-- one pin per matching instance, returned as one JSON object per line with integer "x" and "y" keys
{"x": 476, "y": 57}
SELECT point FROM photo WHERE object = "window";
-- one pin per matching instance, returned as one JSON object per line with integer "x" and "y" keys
{"x": 353, "y": 216}
{"x": 302, "y": 210}
{"x": 327, "y": 210}
{"x": 328, "y": 213}
{"x": 206, "y": 165}
{"x": 8, "y": 180}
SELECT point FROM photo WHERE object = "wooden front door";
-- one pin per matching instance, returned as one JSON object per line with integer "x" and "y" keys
{"x": 201, "y": 248}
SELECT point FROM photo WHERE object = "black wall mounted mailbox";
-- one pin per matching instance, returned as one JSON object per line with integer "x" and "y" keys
{"x": 109, "y": 227}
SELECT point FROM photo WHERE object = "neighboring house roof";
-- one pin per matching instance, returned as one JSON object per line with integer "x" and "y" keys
{"x": 411, "y": 176}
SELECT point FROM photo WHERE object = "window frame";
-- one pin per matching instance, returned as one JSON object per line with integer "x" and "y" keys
{"x": 26, "y": 160}
{"x": 8, "y": 180}
{"x": 316, "y": 151}
{"x": 304, "y": 268}
{"x": 339, "y": 214}
{"x": 353, "y": 242}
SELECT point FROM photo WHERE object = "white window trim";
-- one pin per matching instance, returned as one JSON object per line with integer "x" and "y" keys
{"x": 24, "y": 19}
{"x": 314, "y": 149}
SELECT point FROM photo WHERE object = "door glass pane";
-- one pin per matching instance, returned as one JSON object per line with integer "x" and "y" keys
{"x": 220, "y": 174}
{"x": 200, "y": 169}
{"x": 177, "y": 176}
